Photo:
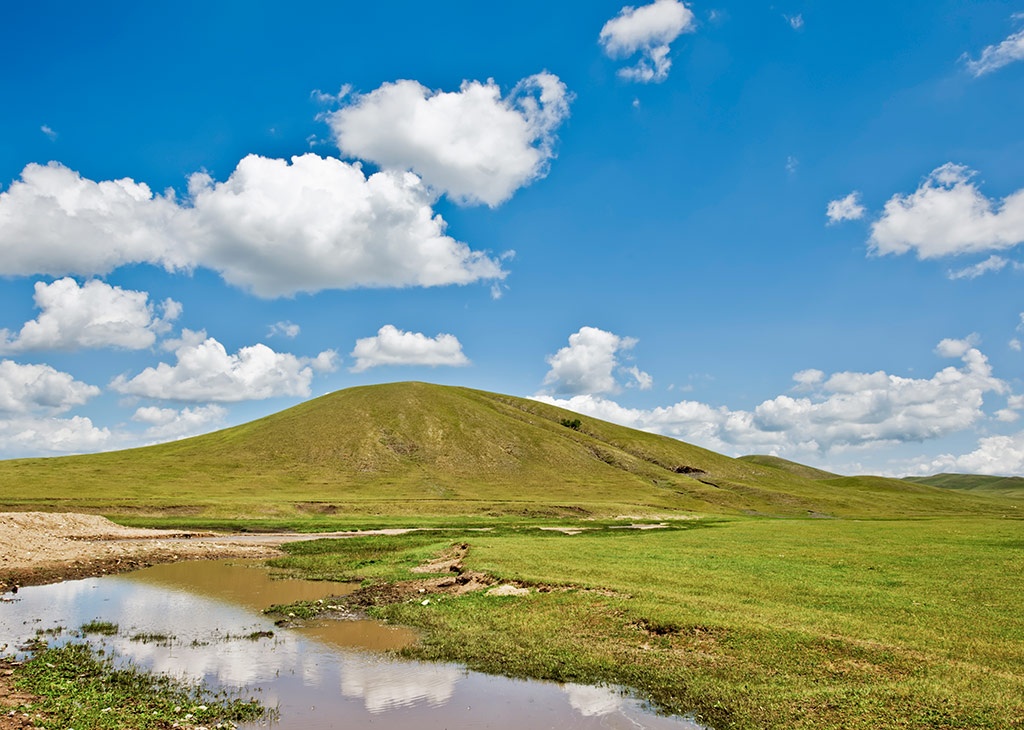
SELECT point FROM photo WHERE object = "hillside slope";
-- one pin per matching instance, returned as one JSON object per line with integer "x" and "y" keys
{"x": 421, "y": 449}
{"x": 978, "y": 483}
{"x": 792, "y": 467}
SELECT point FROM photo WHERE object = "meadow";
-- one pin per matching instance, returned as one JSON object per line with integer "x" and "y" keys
{"x": 746, "y": 623}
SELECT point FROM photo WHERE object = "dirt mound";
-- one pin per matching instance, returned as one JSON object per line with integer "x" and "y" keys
{"x": 43, "y": 547}
{"x": 72, "y": 526}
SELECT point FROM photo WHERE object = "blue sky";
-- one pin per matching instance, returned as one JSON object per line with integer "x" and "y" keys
{"x": 624, "y": 210}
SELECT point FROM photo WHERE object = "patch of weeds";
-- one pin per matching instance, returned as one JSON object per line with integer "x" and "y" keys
{"x": 79, "y": 689}
{"x": 299, "y": 609}
{"x": 147, "y": 638}
{"x": 53, "y": 631}
{"x": 257, "y": 635}
{"x": 104, "y": 628}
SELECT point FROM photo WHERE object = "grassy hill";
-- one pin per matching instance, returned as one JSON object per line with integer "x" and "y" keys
{"x": 415, "y": 449}
{"x": 800, "y": 470}
{"x": 978, "y": 483}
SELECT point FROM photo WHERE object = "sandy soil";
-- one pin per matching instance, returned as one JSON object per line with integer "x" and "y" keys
{"x": 44, "y": 547}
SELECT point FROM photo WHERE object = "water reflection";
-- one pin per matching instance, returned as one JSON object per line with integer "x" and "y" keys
{"x": 324, "y": 675}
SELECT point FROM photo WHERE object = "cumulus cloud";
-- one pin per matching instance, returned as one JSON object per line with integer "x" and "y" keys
{"x": 36, "y": 434}
{"x": 996, "y": 56}
{"x": 808, "y": 378}
{"x": 952, "y": 347}
{"x": 31, "y": 396}
{"x": 275, "y": 227}
{"x": 589, "y": 362}
{"x": 171, "y": 423}
{"x": 392, "y": 346}
{"x": 948, "y": 215}
{"x": 45, "y": 129}
{"x": 845, "y": 209}
{"x": 844, "y": 410}
{"x": 285, "y": 329}
{"x": 205, "y": 372}
{"x": 28, "y": 388}
{"x": 996, "y": 455}
{"x": 649, "y": 30}
{"x": 94, "y": 314}
{"x": 473, "y": 144}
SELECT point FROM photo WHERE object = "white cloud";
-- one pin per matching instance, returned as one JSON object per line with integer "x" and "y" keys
{"x": 648, "y": 30}
{"x": 170, "y": 423}
{"x": 204, "y": 371}
{"x": 30, "y": 397}
{"x": 473, "y": 144}
{"x": 392, "y": 346}
{"x": 808, "y": 378}
{"x": 792, "y": 164}
{"x": 796, "y": 22}
{"x": 640, "y": 380}
{"x": 948, "y": 215}
{"x": 846, "y": 410}
{"x": 589, "y": 362}
{"x": 999, "y": 55}
{"x": 28, "y": 388}
{"x": 952, "y": 347}
{"x": 284, "y": 328}
{"x": 845, "y": 209}
{"x": 45, "y": 129}
{"x": 94, "y": 314}
{"x": 327, "y": 99}
{"x": 33, "y": 434}
{"x": 992, "y": 263}
{"x": 996, "y": 455}
{"x": 274, "y": 227}
{"x": 1015, "y": 344}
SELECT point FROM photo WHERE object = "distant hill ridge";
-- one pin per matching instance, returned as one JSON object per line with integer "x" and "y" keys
{"x": 979, "y": 483}
{"x": 416, "y": 448}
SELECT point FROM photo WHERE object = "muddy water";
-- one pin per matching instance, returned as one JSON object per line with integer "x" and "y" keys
{"x": 328, "y": 674}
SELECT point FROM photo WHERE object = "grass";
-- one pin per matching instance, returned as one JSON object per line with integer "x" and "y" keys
{"x": 151, "y": 638}
{"x": 384, "y": 453}
{"x": 104, "y": 628}
{"x": 750, "y": 623}
{"x": 80, "y": 689}
{"x": 978, "y": 483}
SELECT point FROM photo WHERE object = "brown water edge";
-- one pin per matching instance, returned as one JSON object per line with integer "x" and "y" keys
{"x": 250, "y": 584}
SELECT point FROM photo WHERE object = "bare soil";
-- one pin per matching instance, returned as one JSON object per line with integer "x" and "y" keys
{"x": 45, "y": 547}
{"x": 11, "y": 701}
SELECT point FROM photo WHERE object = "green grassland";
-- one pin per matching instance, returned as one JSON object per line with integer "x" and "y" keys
{"x": 748, "y": 623}
{"x": 1012, "y": 487}
{"x": 412, "y": 450}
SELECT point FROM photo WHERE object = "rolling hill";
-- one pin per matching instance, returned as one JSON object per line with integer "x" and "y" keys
{"x": 977, "y": 483}
{"x": 416, "y": 449}
{"x": 792, "y": 467}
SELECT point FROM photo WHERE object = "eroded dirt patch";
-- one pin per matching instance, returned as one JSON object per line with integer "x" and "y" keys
{"x": 46, "y": 547}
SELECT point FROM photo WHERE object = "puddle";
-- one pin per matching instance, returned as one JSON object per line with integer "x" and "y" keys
{"x": 324, "y": 675}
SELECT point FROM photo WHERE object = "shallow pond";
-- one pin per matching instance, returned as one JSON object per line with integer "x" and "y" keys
{"x": 326, "y": 674}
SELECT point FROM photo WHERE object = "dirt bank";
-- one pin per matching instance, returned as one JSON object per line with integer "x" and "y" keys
{"x": 44, "y": 547}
